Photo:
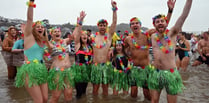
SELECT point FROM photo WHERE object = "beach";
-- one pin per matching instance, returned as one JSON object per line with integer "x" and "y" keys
{"x": 195, "y": 80}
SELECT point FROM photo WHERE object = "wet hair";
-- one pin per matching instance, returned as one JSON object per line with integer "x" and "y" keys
{"x": 159, "y": 16}
{"x": 183, "y": 33}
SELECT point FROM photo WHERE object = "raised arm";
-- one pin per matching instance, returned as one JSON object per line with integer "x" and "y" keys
{"x": 29, "y": 23}
{"x": 78, "y": 29}
{"x": 114, "y": 19}
{"x": 179, "y": 23}
{"x": 171, "y": 4}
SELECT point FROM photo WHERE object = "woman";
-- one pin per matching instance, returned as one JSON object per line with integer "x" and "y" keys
{"x": 32, "y": 75}
{"x": 183, "y": 52}
{"x": 83, "y": 58}
{"x": 7, "y": 51}
{"x": 61, "y": 75}
{"x": 121, "y": 69}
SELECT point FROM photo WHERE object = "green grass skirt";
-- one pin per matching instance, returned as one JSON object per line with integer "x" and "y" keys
{"x": 60, "y": 78}
{"x": 101, "y": 73}
{"x": 36, "y": 72}
{"x": 138, "y": 76}
{"x": 170, "y": 79}
{"x": 82, "y": 73}
{"x": 120, "y": 80}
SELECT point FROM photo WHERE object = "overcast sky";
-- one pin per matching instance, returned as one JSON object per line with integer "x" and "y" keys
{"x": 63, "y": 11}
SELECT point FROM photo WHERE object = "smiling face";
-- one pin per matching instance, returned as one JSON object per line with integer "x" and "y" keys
{"x": 135, "y": 26}
{"x": 56, "y": 34}
{"x": 39, "y": 29}
{"x": 102, "y": 28}
{"x": 84, "y": 37}
{"x": 13, "y": 32}
{"x": 118, "y": 48}
{"x": 160, "y": 25}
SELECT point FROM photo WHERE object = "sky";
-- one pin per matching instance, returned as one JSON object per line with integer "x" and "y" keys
{"x": 65, "y": 11}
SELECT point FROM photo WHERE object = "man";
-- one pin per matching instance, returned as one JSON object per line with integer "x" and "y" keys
{"x": 163, "y": 43}
{"x": 203, "y": 50}
{"x": 138, "y": 44}
{"x": 7, "y": 45}
{"x": 101, "y": 42}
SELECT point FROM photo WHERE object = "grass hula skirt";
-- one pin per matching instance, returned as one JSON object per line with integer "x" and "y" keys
{"x": 120, "y": 80}
{"x": 82, "y": 72}
{"x": 60, "y": 78}
{"x": 35, "y": 71}
{"x": 170, "y": 79}
{"x": 139, "y": 75}
{"x": 101, "y": 73}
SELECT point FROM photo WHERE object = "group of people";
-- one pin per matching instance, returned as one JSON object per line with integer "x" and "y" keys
{"x": 188, "y": 50}
{"x": 128, "y": 65}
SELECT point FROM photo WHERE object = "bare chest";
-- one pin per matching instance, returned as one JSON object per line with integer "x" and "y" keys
{"x": 138, "y": 43}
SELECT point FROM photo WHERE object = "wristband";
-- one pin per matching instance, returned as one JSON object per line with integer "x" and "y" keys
{"x": 170, "y": 10}
{"x": 114, "y": 8}
{"x": 31, "y": 4}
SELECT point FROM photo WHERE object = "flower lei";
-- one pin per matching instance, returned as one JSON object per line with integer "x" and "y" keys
{"x": 86, "y": 56}
{"x": 61, "y": 48}
{"x": 122, "y": 65}
{"x": 94, "y": 43}
{"x": 47, "y": 55}
{"x": 143, "y": 47}
{"x": 161, "y": 45}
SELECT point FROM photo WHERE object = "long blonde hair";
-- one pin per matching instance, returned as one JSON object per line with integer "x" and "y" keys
{"x": 35, "y": 35}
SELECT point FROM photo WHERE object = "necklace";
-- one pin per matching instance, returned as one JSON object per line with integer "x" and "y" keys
{"x": 94, "y": 43}
{"x": 122, "y": 65}
{"x": 135, "y": 43}
{"x": 61, "y": 48}
{"x": 86, "y": 54}
{"x": 170, "y": 46}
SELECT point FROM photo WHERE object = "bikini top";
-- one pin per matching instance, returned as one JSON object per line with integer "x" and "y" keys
{"x": 34, "y": 52}
{"x": 83, "y": 57}
{"x": 59, "y": 50}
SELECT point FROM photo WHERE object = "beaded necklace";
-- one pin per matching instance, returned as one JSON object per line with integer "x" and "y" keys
{"x": 94, "y": 43}
{"x": 86, "y": 56}
{"x": 61, "y": 48}
{"x": 170, "y": 46}
{"x": 143, "y": 47}
{"x": 122, "y": 65}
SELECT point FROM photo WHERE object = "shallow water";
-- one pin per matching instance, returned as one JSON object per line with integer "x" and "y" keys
{"x": 196, "y": 81}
